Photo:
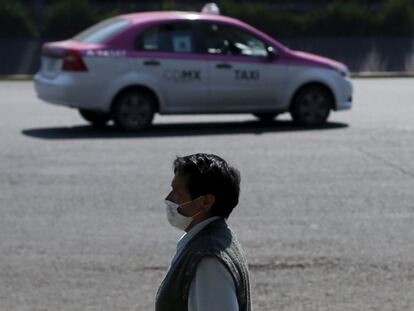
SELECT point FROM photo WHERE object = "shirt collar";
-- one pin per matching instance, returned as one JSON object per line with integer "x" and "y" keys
{"x": 196, "y": 229}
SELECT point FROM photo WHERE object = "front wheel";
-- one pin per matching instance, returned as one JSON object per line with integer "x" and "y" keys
{"x": 96, "y": 118}
{"x": 311, "y": 106}
{"x": 133, "y": 110}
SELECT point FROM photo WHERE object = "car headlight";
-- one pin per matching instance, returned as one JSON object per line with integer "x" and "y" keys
{"x": 344, "y": 72}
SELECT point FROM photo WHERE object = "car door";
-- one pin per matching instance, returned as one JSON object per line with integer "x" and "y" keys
{"x": 170, "y": 59}
{"x": 243, "y": 78}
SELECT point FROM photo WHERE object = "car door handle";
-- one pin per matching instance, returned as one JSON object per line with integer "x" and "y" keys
{"x": 152, "y": 63}
{"x": 224, "y": 66}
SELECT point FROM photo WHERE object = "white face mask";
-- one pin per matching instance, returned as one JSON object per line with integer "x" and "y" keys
{"x": 175, "y": 218}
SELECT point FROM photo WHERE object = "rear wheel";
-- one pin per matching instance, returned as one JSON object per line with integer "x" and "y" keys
{"x": 265, "y": 117}
{"x": 311, "y": 106}
{"x": 134, "y": 110}
{"x": 96, "y": 118}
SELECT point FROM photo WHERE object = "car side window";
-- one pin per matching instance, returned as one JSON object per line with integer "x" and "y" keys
{"x": 229, "y": 40}
{"x": 173, "y": 37}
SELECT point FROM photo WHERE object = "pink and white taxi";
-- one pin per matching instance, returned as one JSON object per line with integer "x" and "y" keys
{"x": 129, "y": 67}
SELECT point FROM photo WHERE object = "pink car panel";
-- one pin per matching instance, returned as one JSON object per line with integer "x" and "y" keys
{"x": 122, "y": 43}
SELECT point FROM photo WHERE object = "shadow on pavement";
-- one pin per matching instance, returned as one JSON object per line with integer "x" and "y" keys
{"x": 176, "y": 129}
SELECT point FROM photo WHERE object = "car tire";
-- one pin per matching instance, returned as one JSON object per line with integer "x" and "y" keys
{"x": 311, "y": 106}
{"x": 133, "y": 110}
{"x": 96, "y": 118}
{"x": 265, "y": 117}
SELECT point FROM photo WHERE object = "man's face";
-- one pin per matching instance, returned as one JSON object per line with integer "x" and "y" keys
{"x": 180, "y": 194}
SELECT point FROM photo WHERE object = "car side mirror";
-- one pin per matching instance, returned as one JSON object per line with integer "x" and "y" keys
{"x": 272, "y": 54}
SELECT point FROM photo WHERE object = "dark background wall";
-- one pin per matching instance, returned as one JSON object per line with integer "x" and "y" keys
{"x": 367, "y": 35}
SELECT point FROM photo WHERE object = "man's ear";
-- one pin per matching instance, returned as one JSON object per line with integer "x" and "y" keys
{"x": 208, "y": 201}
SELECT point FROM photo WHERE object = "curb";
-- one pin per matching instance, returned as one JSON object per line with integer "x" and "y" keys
{"x": 382, "y": 74}
{"x": 16, "y": 77}
{"x": 357, "y": 75}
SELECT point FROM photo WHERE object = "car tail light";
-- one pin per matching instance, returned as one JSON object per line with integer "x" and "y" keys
{"x": 72, "y": 61}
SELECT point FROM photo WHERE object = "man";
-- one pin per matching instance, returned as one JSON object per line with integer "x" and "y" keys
{"x": 209, "y": 271}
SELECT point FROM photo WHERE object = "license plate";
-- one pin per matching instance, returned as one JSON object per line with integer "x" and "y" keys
{"x": 49, "y": 66}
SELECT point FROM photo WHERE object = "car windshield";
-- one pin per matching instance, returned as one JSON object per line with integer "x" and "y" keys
{"x": 102, "y": 31}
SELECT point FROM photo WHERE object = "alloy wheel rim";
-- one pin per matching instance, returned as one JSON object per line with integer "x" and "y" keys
{"x": 313, "y": 107}
{"x": 135, "y": 111}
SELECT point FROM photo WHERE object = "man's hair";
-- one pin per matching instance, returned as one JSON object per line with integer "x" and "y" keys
{"x": 210, "y": 174}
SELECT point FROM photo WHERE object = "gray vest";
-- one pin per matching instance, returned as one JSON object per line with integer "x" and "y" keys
{"x": 215, "y": 240}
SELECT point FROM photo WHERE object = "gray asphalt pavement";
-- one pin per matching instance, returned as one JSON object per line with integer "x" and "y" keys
{"x": 326, "y": 216}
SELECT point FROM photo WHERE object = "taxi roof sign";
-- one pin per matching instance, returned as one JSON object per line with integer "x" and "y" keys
{"x": 211, "y": 8}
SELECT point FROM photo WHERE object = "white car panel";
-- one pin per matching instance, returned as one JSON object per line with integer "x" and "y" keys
{"x": 300, "y": 76}
{"x": 181, "y": 85}
{"x": 247, "y": 86}
{"x": 213, "y": 80}
{"x": 69, "y": 89}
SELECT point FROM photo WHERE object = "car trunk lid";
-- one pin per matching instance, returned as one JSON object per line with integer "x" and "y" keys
{"x": 65, "y": 56}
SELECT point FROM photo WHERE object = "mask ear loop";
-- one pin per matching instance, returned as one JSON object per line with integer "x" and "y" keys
{"x": 199, "y": 211}
{"x": 183, "y": 204}
{"x": 191, "y": 202}
{"x": 197, "y": 214}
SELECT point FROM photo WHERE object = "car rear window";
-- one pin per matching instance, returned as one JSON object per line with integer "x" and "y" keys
{"x": 102, "y": 31}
